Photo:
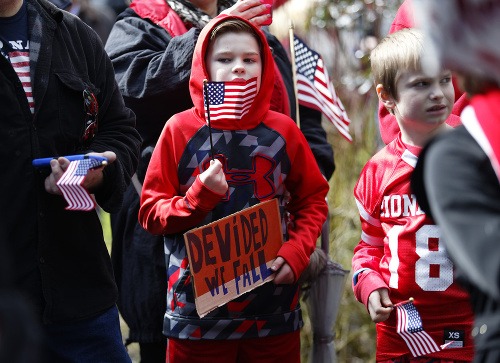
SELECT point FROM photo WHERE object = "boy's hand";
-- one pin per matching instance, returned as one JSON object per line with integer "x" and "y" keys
{"x": 214, "y": 179}
{"x": 284, "y": 273}
{"x": 379, "y": 305}
{"x": 252, "y": 10}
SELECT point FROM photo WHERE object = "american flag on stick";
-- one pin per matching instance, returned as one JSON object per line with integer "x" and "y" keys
{"x": 71, "y": 181}
{"x": 229, "y": 100}
{"x": 410, "y": 328}
{"x": 314, "y": 88}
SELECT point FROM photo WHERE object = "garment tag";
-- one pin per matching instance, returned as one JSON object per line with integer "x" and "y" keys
{"x": 454, "y": 338}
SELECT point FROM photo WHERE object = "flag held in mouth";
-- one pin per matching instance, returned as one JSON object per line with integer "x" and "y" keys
{"x": 229, "y": 100}
{"x": 71, "y": 182}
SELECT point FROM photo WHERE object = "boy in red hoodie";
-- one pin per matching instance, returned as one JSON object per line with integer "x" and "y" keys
{"x": 259, "y": 155}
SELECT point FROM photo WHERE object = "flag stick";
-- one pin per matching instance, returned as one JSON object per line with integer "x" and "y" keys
{"x": 404, "y": 302}
{"x": 207, "y": 108}
{"x": 294, "y": 74}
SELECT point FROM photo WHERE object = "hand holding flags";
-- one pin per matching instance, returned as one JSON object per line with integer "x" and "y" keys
{"x": 71, "y": 182}
{"x": 410, "y": 328}
{"x": 314, "y": 88}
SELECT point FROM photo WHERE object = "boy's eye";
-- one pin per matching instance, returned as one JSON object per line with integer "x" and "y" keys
{"x": 224, "y": 60}
{"x": 250, "y": 60}
{"x": 446, "y": 80}
{"x": 421, "y": 84}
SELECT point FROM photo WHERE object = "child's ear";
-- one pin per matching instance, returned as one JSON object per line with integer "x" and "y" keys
{"x": 385, "y": 98}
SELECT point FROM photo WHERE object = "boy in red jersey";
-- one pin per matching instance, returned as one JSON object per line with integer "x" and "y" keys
{"x": 259, "y": 155}
{"x": 400, "y": 255}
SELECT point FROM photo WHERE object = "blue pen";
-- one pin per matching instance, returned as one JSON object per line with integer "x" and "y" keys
{"x": 38, "y": 163}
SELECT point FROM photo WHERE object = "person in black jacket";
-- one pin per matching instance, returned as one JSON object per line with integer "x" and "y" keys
{"x": 58, "y": 258}
{"x": 151, "y": 47}
{"x": 457, "y": 177}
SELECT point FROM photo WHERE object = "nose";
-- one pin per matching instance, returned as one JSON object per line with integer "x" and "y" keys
{"x": 437, "y": 92}
{"x": 239, "y": 67}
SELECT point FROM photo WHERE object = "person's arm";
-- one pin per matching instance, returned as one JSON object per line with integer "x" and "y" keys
{"x": 315, "y": 134}
{"x": 464, "y": 197}
{"x": 370, "y": 250}
{"x": 116, "y": 131}
{"x": 308, "y": 189}
{"x": 164, "y": 208}
{"x": 152, "y": 70}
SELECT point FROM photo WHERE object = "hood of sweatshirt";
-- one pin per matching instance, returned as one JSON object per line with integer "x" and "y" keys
{"x": 260, "y": 107}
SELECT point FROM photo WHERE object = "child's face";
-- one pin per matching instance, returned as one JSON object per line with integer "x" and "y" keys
{"x": 234, "y": 57}
{"x": 424, "y": 99}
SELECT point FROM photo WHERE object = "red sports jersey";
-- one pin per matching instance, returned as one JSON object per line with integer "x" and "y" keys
{"x": 400, "y": 249}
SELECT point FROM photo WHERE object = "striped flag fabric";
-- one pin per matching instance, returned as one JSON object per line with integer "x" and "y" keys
{"x": 229, "y": 100}
{"x": 410, "y": 328}
{"x": 21, "y": 63}
{"x": 71, "y": 181}
{"x": 315, "y": 89}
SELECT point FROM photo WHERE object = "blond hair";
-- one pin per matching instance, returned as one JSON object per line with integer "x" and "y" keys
{"x": 398, "y": 52}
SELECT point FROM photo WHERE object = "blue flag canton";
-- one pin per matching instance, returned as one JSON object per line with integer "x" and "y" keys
{"x": 85, "y": 165}
{"x": 306, "y": 59}
{"x": 215, "y": 93}
{"x": 414, "y": 320}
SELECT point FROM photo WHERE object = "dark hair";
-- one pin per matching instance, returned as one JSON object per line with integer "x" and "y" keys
{"x": 235, "y": 26}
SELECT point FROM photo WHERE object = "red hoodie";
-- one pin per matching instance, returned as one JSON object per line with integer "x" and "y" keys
{"x": 268, "y": 151}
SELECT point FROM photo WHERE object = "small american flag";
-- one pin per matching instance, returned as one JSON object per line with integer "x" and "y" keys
{"x": 229, "y": 100}
{"x": 410, "y": 328}
{"x": 315, "y": 89}
{"x": 71, "y": 181}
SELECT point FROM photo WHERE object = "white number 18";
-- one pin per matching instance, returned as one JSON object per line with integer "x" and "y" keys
{"x": 427, "y": 258}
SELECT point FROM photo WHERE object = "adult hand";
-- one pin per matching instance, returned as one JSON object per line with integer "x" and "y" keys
{"x": 380, "y": 305}
{"x": 94, "y": 176}
{"x": 92, "y": 180}
{"x": 284, "y": 273}
{"x": 252, "y": 10}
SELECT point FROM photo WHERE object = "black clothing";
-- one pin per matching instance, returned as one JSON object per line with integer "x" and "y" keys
{"x": 454, "y": 178}
{"x": 59, "y": 257}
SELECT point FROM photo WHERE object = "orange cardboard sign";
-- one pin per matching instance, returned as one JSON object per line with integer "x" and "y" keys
{"x": 233, "y": 255}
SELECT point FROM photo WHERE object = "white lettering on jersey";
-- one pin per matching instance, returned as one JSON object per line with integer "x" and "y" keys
{"x": 395, "y": 205}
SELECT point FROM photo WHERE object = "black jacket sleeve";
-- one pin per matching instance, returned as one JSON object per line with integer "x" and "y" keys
{"x": 151, "y": 68}
{"x": 457, "y": 182}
